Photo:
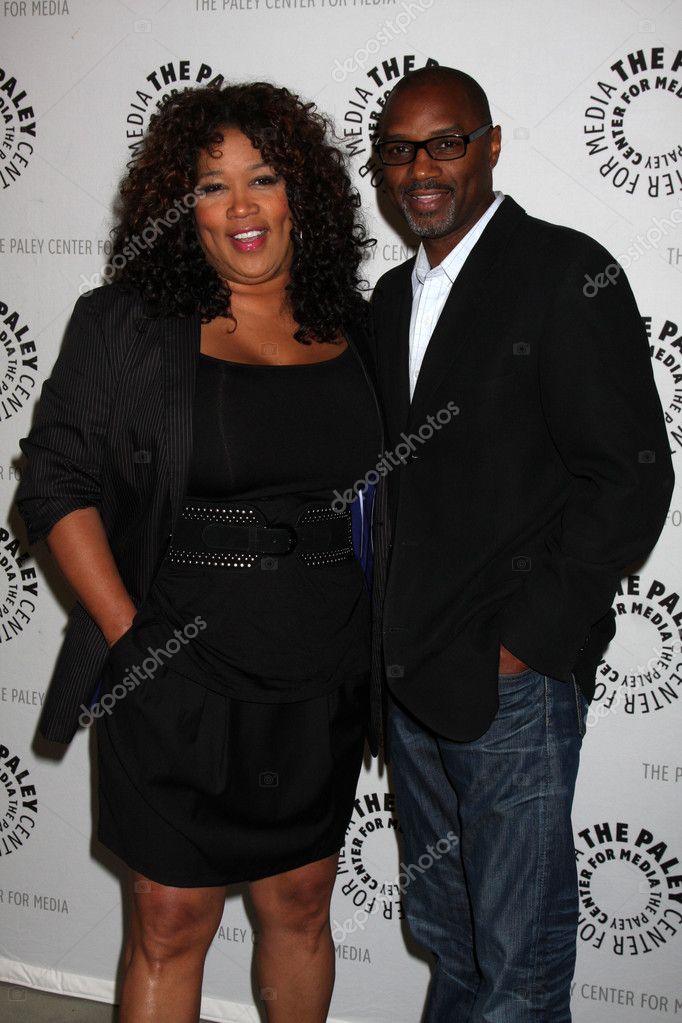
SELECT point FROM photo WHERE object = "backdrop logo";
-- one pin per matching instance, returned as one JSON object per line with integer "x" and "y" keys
{"x": 18, "y": 803}
{"x": 632, "y": 122}
{"x": 18, "y": 588}
{"x": 18, "y": 362}
{"x": 364, "y": 107}
{"x": 160, "y": 84}
{"x": 665, "y": 348}
{"x": 17, "y": 131}
{"x": 642, "y": 666}
{"x": 371, "y": 848}
{"x": 630, "y": 889}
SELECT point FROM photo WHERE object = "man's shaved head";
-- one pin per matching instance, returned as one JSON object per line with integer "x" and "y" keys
{"x": 439, "y": 75}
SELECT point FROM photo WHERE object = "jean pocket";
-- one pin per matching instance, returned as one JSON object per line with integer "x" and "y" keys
{"x": 515, "y": 676}
{"x": 581, "y": 706}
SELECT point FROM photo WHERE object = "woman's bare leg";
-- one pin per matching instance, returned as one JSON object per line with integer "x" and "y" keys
{"x": 294, "y": 951}
{"x": 170, "y": 933}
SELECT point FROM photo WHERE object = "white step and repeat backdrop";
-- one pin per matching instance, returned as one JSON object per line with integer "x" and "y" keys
{"x": 589, "y": 97}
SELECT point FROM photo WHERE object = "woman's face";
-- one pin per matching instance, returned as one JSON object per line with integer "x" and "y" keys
{"x": 242, "y": 215}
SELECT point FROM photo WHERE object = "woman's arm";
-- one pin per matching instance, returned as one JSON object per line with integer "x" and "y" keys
{"x": 66, "y": 444}
{"x": 60, "y": 490}
{"x": 79, "y": 545}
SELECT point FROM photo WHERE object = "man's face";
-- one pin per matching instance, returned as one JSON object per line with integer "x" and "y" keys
{"x": 440, "y": 199}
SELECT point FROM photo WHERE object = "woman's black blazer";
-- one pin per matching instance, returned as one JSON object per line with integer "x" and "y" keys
{"x": 113, "y": 430}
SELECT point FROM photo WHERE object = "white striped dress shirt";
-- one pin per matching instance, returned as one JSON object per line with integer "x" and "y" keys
{"x": 431, "y": 287}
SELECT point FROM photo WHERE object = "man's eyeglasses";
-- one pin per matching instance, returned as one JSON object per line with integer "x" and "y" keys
{"x": 442, "y": 147}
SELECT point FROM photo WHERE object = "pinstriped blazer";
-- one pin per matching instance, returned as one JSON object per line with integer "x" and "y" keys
{"x": 114, "y": 431}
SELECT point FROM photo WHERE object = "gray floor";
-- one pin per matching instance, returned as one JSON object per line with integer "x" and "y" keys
{"x": 24, "y": 1005}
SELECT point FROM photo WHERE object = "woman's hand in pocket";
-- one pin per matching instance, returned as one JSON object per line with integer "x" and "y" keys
{"x": 113, "y": 634}
{"x": 78, "y": 542}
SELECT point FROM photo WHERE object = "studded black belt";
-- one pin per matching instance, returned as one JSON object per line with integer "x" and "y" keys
{"x": 235, "y": 535}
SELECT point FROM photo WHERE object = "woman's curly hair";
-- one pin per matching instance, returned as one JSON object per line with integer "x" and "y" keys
{"x": 157, "y": 197}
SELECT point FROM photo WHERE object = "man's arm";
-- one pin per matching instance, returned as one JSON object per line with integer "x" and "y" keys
{"x": 603, "y": 413}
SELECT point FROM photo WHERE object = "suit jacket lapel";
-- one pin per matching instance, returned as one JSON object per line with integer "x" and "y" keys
{"x": 402, "y": 382}
{"x": 457, "y": 321}
{"x": 393, "y": 352}
{"x": 179, "y": 348}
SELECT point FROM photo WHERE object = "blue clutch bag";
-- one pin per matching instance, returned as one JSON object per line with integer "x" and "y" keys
{"x": 361, "y": 525}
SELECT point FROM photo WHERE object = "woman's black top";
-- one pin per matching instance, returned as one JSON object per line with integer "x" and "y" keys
{"x": 277, "y": 438}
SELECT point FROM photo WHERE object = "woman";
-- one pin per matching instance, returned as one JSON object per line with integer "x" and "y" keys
{"x": 204, "y": 410}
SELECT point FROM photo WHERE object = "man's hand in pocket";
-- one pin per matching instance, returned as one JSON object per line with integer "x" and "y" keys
{"x": 510, "y": 665}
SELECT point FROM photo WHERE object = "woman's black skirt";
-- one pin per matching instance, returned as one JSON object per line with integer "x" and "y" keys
{"x": 198, "y": 788}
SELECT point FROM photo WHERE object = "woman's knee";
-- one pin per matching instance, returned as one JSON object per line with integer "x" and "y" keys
{"x": 297, "y": 901}
{"x": 172, "y": 922}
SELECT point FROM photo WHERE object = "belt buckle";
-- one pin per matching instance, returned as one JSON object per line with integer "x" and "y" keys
{"x": 293, "y": 538}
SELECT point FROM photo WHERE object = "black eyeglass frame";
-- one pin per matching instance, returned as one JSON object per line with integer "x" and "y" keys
{"x": 425, "y": 143}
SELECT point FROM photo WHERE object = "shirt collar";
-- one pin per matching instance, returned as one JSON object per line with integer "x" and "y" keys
{"x": 422, "y": 267}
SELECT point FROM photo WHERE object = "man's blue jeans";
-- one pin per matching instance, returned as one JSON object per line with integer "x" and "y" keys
{"x": 499, "y": 910}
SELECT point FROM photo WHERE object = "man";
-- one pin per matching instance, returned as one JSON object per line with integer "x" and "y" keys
{"x": 538, "y": 470}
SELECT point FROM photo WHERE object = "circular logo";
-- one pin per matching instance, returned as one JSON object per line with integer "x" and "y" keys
{"x": 18, "y": 362}
{"x": 641, "y": 671}
{"x": 632, "y": 122}
{"x": 18, "y": 129}
{"x": 368, "y": 869}
{"x": 18, "y": 802}
{"x": 665, "y": 348}
{"x": 364, "y": 106}
{"x": 159, "y": 85}
{"x": 18, "y": 588}
{"x": 371, "y": 876}
{"x": 629, "y": 889}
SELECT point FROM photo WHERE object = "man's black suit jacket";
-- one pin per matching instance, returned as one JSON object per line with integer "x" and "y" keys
{"x": 515, "y": 521}
{"x": 113, "y": 431}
